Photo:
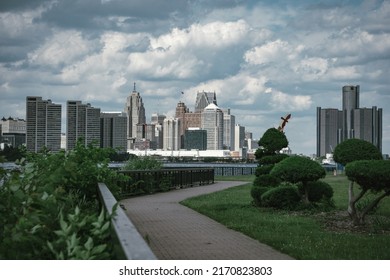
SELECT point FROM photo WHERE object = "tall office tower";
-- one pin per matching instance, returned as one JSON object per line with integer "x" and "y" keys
{"x": 43, "y": 124}
{"x": 13, "y": 131}
{"x": 146, "y": 131}
{"x": 239, "y": 137}
{"x": 135, "y": 115}
{"x": 181, "y": 110}
{"x": 113, "y": 131}
{"x": 158, "y": 121}
{"x": 367, "y": 124}
{"x": 350, "y": 103}
{"x": 212, "y": 122}
{"x": 82, "y": 123}
{"x": 171, "y": 130}
{"x": 335, "y": 126}
{"x": 203, "y": 99}
{"x": 329, "y": 130}
{"x": 229, "y": 122}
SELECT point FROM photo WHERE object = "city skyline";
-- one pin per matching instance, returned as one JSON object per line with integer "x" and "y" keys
{"x": 263, "y": 59}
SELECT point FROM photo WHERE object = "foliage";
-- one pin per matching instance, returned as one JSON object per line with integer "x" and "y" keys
{"x": 346, "y": 153}
{"x": 298, "y": 169}
{"x": 282, "y": 197}
{"x": 355, "y": 149}
{"x": 273, "y": 159}
{"x": 267, "y": 180}
{"x": 271, "y": 143}
{"x": 256, "y": 193}
{"x": 318, "y": 191}
{"x": 370, "y": 175}
{"x": 263, "y": 169}
{"x": 54, "y": 193}
{"x": 143, "y": 163}
{"x": 11, "y": 153}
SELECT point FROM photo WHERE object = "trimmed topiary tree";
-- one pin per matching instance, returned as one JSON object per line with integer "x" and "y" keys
{"x": 347, "y": 152}
{"x": 283, "y": 197}
{"x": 298, "y": 169}
{"x": 318, "y": 191}
{"x": 371, "y": 175}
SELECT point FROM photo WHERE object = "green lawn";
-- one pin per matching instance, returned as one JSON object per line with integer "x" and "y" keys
{"x": 301, "y": 235}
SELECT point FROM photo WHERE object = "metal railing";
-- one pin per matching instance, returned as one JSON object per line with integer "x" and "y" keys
{"x": 234, "y": 170}
{"x": 150, "y": 181}
{"x": 131, "y": 245}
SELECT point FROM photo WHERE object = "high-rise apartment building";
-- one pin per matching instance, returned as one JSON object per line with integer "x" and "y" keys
{"x": 135, "y": 115}
{"x": 171, "y": 130}
{"x": 203, "y": 99}
{"x": 335, "y": 126}
{"x": 212, "y": 122}
{"x": 113, "y": 131}
{"x": 229, "y": 122}
{"x": 82, "y": 124}
{"x": 43, "y": 124}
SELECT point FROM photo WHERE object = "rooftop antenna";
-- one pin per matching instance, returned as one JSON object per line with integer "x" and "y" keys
{"x": 134, "y": 87}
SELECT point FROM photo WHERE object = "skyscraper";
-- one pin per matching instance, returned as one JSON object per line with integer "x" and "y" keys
{"x": 335, "y": 126}
{"x": 239, "y": 137}
{"x": 203, "y": 99}
{"x": 113, "y": 131}
{"x": 43, "y": 124}
{"x": 82, "y": 123}
{"x": 171, "y": 134}
{"x": 229, "y": 122}
{"x": 212, "y": 122}
{"x": 135, "y": 115}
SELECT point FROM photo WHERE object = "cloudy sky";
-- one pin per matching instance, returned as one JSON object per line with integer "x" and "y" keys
{"x": 263, "y": 59}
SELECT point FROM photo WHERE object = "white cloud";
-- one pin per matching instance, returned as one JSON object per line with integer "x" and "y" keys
{"x": 63, "y": 48}
{"x": 282, "y": 101}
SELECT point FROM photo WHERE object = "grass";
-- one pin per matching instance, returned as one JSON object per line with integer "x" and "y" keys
{"x": 301, "y": 235}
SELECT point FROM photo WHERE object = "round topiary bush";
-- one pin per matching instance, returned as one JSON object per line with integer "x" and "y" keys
{"x": 282, "y": 197}
{"x": 318, "y": 190}
{"x": 264, "y": 169}
{"x": 267, "y": 180}
{"x": 256, "y": 193}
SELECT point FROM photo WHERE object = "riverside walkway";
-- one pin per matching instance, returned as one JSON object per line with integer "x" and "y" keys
{"x": 175, "y": 232}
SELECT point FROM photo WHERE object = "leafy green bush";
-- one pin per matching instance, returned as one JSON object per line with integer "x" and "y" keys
{"x": 263, "y": 169}
{"x": 256, "y": 193}
{"x": 267, "y": 180}
{"x": 282, "y": 197}
{"x": 143, "y": 163}
{"x": 272, "y": 159}
{"x": 318, "y": 190}
{"x": 50, "y": 209}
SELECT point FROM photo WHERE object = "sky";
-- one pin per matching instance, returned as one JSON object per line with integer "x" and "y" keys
{"x": 263, "y": 59}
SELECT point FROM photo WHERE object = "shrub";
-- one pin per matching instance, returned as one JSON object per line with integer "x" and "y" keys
{"x": 264, "y": 169}
{"x": 267, "y": 180}
{"x": 282, "y": 197}
{"x": 143, "y": 163}
{"x": 273, "y": 159}
{"x": 256, "y": 193}
{"x": 318, "y": 191}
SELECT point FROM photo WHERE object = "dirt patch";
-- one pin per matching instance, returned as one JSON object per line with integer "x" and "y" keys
{"x": 339, "y": 221}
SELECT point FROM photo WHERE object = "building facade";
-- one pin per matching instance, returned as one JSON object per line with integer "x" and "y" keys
{"x": 82, "y": 124}
{"x": 171, "y": 130}
{"x": 113, "y": 131}
{"x": 43, "y": 124}
{"x": 335, "y": 126}
{"x": 135, "y": 111}
{"x": 229, "y": 122}
{"x": 212, "y": 122}
{"x": 195, "y": 139}
{"x": 203, "y": 99}
{"x": 239, "y": 137}
{"x": 13, "y": 131}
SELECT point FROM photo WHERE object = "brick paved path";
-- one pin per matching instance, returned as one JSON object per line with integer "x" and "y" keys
{"x": 175, "y": 232}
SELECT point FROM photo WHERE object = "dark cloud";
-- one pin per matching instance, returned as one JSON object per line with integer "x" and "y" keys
{"x": 18, "y": 5}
